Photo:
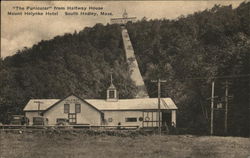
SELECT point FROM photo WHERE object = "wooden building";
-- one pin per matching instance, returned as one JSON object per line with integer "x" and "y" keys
{"x": 122, "y": 21}
{"x": 112, "y": 111}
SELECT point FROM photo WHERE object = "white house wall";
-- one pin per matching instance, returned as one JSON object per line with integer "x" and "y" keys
{"x": 30, "y": 115}
{"x": 120, "y": 116}
{"x": 151, "y": 116}
{"x": 173, "y": 117}
{"x": 88, "y": 114}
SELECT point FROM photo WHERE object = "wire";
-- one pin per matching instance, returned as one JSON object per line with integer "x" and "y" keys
{"x": 216, "y": 77}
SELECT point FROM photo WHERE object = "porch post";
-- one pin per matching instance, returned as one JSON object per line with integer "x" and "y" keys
{"x": 173, "y": 117}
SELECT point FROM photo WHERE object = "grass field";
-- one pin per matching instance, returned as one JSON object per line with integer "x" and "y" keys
{"x": 76, "y": 145}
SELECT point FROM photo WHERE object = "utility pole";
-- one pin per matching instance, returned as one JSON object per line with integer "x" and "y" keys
{"x": 159, "y": 81}
{"x": 249, "y": 107}
{"x": 39, "y": 104}
{"x": 227, "y": 97}
{"x": 226, "y": 106}
{"x": 212, "y": 111}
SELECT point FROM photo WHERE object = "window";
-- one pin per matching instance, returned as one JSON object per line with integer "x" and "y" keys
{"x": 111, "y": 94}
{"x": 61, "y": 120}
{"x": 78, "y": 108}
{"x": 102, "y": 116}
{"x": 131, "y": 119}
{"x": 110, "y": 119}
{"x": 140, "y": 118}
{"x": 66, "y": 108}
{"x": 72, "y": 118}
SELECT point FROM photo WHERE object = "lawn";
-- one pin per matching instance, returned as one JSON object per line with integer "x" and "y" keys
{"x": 80, "y": 145}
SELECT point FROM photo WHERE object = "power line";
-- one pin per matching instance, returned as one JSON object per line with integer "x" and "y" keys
{"x": 216, "y": 77}
{"x": 159, "y": 81}
{"x": 213, "y": 97}
{"x": 38, "y": 108}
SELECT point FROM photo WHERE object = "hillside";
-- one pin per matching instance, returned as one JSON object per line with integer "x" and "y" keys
{"x": 210, "y": 43}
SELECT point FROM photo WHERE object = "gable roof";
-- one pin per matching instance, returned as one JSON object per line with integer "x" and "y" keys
{"x": 46, "y": 103}
{"x": 102, "y": 104}
{"x": 133, "y": 104}
{"x": 50, "y": 103}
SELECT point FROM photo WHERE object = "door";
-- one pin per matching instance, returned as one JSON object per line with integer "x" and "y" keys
{"x": 166, "y": 118}
{"x": 72, "y": 118}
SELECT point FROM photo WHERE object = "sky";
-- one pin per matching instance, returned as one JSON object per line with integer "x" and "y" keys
{"x": 19, "y": 31}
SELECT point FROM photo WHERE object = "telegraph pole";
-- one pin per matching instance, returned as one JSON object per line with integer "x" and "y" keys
{"x": 226, "y": 106}
{"x": 213, "y": 97}
{"x": 159, "y": 81}
{"x": 227, "y": 98}
{"x": 249, "y": 107}
{"x": 212, "y": 111}
{"x": 39, "y": 104}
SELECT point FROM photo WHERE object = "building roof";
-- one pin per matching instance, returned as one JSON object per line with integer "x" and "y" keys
{"x": 46, "y": 103}
{"x": 111, "y": 86}
{"x": 60, "y": 100}
{"x": 102, "y": 104}
{"x": 129, "y": 18}
{"x": 133, "y": 104}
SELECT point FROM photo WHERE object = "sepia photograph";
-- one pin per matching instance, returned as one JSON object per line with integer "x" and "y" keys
{"x": 127, "y": 79}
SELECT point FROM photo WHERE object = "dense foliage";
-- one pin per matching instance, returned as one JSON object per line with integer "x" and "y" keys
{"x": 207, "y": 44}
{"x": 79, "y": 63}
{"x": 210, "y": 43}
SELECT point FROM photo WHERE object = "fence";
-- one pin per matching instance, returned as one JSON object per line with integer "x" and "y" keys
{"x": 66, "y": 127}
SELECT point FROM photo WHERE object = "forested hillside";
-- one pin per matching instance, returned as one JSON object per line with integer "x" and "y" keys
{"x": 79, "y": 63}
{"x": 203, "y": 45}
